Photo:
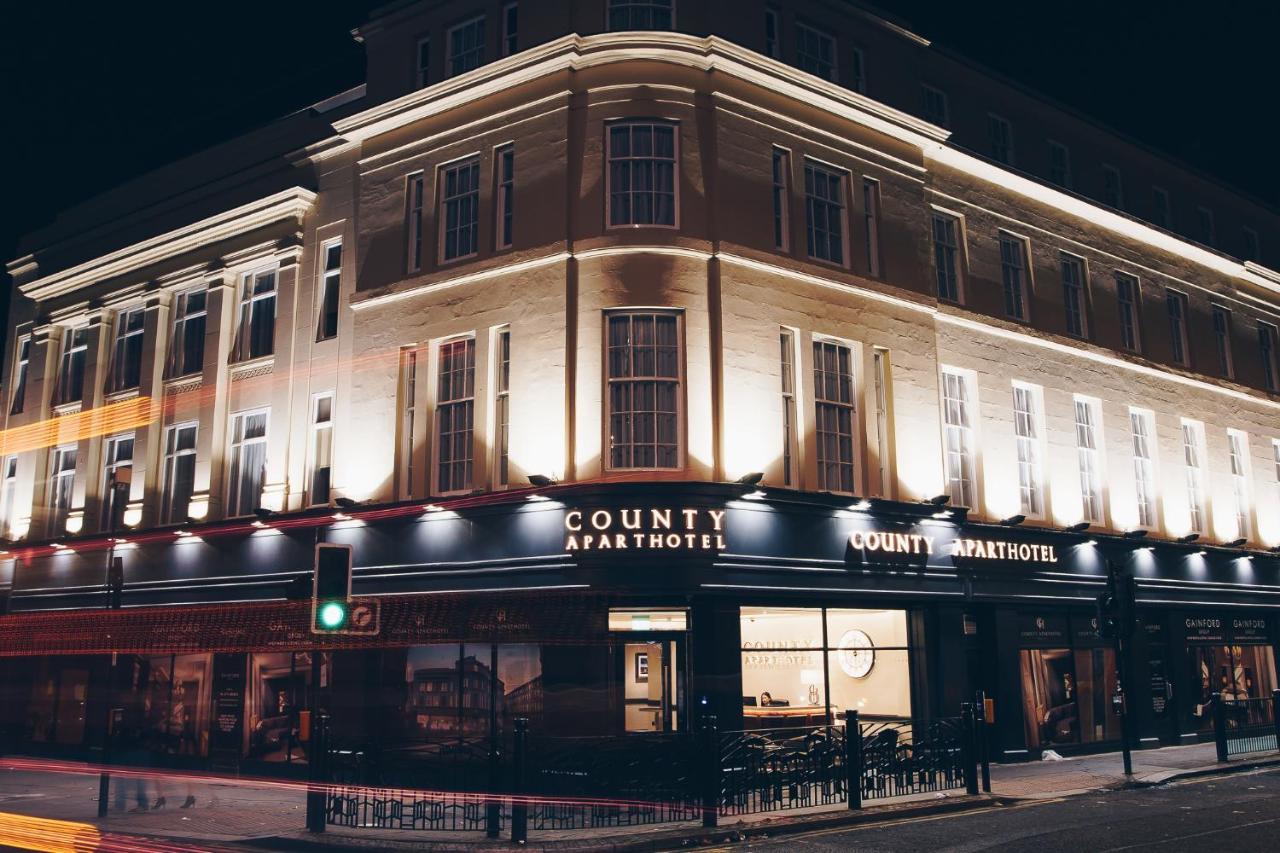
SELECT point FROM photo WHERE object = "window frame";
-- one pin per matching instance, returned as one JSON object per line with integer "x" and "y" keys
{"x": 1130, "y": 326}
{"x": 1033, "y": 498}
{"x": 633, "y": 122}
{"x": 859, "y": 65}
{"x": 1096, "y": 469}
{"x": 1268, "y": 340}
{"x": 1240, "y": 470}
{"x": 330, "y": 283}
{"x": 501, "y": 362}
{"x": 1162, "y": 204}
{"x": 235, "y": 455}
{"x": 1223, "y": 338}
{"x": 1145, "y": 482}
{"x": 176, "y": 363}
{"x": 510, "y": 29}
{"x": 62, "y": 393}
{"x": 1252, "y": 244}
{"x": 669, "y": 5}
{"x": 21, "y": 369}
{"x": 781, "y": 170}
{"x": 450, "y": 57}
{"x": 110, "y": 464}
{"x": 1195, "y": 449}
{"x": 438, "y": 421}
{"x": 415, "y": 199}
{"x": 119, "y": 369}
{"x": 999, "y": 126}
{"x": 1055, "y": 146}
{"x": 168, "y": 468}
{"x": 472, "y": 163}
{"x": 9, "y": 495}
{"x": 841, "y": 204}
{"x": 422, "y": 69}
{"x": 1118, "y": 203}
{"x": 1206, "y": 227}
{"x": 681, "y": 379}
{"x": 1023, "y": 291}
{"x": 857, "y": 441}
{"x": 242, "y": 349}
{"x": 804, "y": 28}
{"x": 313, "y": 451}
{"x": 968, "y": 446}
{"x": 942, "y": 119}
{"x": 57, "y": 513}
{"x": 504, "y": 175}
{"x": 788, "y": 365}
{"x": 772, "y": 41}
{"x": 407, "y": 419}
{"x": 1179, "y": 339}
{"x": 958, "y": 254}
{"x": 1067, "y": 260}
{"x": 871, "y": 224}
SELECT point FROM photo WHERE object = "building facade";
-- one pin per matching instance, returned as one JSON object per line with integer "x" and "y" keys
{"x": 651, "y": 368}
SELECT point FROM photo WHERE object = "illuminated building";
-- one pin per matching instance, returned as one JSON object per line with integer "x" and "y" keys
{"x": 641, "y": 265}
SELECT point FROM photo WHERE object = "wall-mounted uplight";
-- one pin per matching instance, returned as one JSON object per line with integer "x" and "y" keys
{"x": 1189, "y": 538}
{"x": 341, "y": 516}
{"x": 944, "y": 513}
{"x": 1201, "y": 553}
{"x": 75, "y": 523}
{"x": 132, "y": 516}
{"x": 939, "y": 500}
{"x": 536, "y": 498}
{"x": 1088, "y": 543}
{"x": 861, "y": 506}
{"x": 1237, "y": 543}
{"x": 1078, "y": 527}
{"x": 1013, "y": 520}
{"x": 542, "y": 481}
{"x": 754, "y": 496}
{"x": 433, "y": 508}
{"x": 1136, "y": 533}
{"x": 751, "y": 479}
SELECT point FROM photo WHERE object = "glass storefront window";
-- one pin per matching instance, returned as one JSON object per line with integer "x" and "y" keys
{"x": 1067, "y": 696}
{"x": 1231, "y": 673}
{"x": 454, "y": 690}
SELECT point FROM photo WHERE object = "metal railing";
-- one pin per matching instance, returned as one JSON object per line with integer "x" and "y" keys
{"x": 1246, "y": 725}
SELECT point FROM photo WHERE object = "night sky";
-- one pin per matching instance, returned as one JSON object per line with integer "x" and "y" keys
{"x": 99, "y": 92}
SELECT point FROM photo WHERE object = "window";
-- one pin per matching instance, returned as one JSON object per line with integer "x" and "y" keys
{"x": 330, "y": 290}
{"x": 408, "y": 418}
{"x": 946, "y": 255}
{"x": 502, "y": 408}
{"x": 642, "y": 173}
{"x": 871, "y": 223}
{"x": 1177, "y": 305}
{"x": 859, "y": 71}
{"x": 1238, "y": 451}
{"x": 824, "y": 212}
{"x": 772, "y": 45}
{"x": 957, "y": 420}
{"x": 787, "y": 347}
{"x": 510, "y": 28}
{"x": 640, "y": 15}
{"x": 257, "y": 334}
{"x": 1112, "y": 190}
{"x": 459, "y": 209}
{"x": 936, "y": 108}
{"x": 21, "y": 366}
{"x": 1275, "y": 453}
{"x": 1089, "y": 458}
{"x": 834, "y": 415}
{"x": 247, "y": 470}
{"x": 1073, "y": 295}
{"x": 455, "y": 406}
{"x": 1059, "y": 164}
{"x": 1193, "y": 466}
{"x": 781, "y": 199}
{"x": 9, "y": 496}
{"x": 321, "y": 449}
{"x": 1013, "y": 274}
{"x": 1144, "y": 472}
{"x": 186, "y": 350}
{"x": 1222, "y": 340}
{"x": 62, "y": 480}
{"x": 70, "y": 388}
{"x": 1161, "y": 213}
{"x": 884, "y": 435}
{"x": 126, "y": 352}
{"x": 1026, "y": 427}
{"x": 413, "y": 221}
{"x": 423, "y": 62}
{"x": 506, "y": 200}
{"x": 999, "y": 139}
{"x": 1127, "y": 300}
{"x": 179, "y": 473}
{"x": 1251, "y": 250}
{"x": 117, "y": 454}
{"x": 464, "y": 47}
{"x": 815, "y": 52}
{"x": 644, "y": 391}
{"x": 1204, "y": 225}
{"x": 1267, "y": 353}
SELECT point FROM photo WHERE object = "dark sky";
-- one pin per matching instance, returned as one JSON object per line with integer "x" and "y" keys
{"x": 98, "y": 92}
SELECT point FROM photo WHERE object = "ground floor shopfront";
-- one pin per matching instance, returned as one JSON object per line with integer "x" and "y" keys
{"x": 623, "y": 610}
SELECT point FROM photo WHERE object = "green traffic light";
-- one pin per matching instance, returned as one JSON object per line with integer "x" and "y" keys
{"x": 333, "y": 614}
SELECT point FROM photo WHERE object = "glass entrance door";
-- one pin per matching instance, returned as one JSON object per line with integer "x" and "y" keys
{"x": 652, "y": 678}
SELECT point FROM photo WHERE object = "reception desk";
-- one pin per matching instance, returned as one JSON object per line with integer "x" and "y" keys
{"x": 780, "y": 716}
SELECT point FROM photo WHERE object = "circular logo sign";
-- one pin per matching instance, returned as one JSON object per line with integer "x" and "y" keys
{"x": 855, "y": 654}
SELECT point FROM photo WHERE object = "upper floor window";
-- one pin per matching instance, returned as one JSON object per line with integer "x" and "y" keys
{"x": 834, "y": 421}
{"x": 413, "y": 221}
{"x": 787, "y": 348}
{"x": 321, "y": 449}
{"x": 1059, "y": 164}
{"x": 505, "y": 163}
{"x": 1073, "y": 295}
{"x": 1141, "y": 425}
{"x": 1089, "y": 457}
{"x": 117, "y": 454}
{"x": 1222, "y": 340}
{"x": 936, "y": 109}
{"x": 20, "y": 369}
{"x": 772, "y": 42}
{"x": 815, "y": 52}
{"x": 256, "y": 333}
{"x": 247, "y": 469}
{"x": 9, "y": 496}
{"x": 871, "y": 223}
{"x": 178, "y": 472}
{"x": 1127, "y": 301}
{"x": 1204, "y": 226}
{"x": 1161, "y": 210}
{"x": 644, "y": 398}
{"x": 464, "y": 47}
{"x": 1238, "y": 455}
{"x": 126, "y": 352}
{"x": 408, "y": 419}
{"x": 640, "y": 15}
{"x": 62, "y": 480}
{"x": 642, "y": 173}
{"x": 1112, "y": 189}
{"x": 455, "y": 407}
{"x": 422, "y": 63}
{"x": 330, "y": 290}
{"x": 859, "y": 82}
{"x": 75, "y": 344}
{"x": 1267, "y": 351}
{"x": 946, "y": 255}
{"x": 1176, "y": 303}
{"x": 459, "y": 209}
{"x": 959, "y": 447}
{"x": 510, "y": 28}
{"x": 1251, "y": 245}
{"x": 824, "y": 210}
{"x": 781, "y": 199}
{"x": 1027, "y": 429}
{"x": 502, "y": 408}
{"x": 999, "y": 139}
{"x": 1193, "y": 467}
{"x": 1013, "y": 275}
{"x": 186, "y": 348}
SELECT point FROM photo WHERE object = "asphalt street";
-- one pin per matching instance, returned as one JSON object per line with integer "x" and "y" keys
{"x": 1239, "y": 813}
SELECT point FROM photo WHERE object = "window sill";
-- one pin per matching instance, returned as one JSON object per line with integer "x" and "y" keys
{"x": 123, "y": 394}
{"x": 448, "y": 262}
{"x": 633, "y": 226}
{"x": 253, "y": 363}
{"x": 69, "y": 408}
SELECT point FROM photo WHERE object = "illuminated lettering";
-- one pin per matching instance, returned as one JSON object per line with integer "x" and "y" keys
{"x": 660, "y": 518}
{"x": 646, "y": 528}
{"x": 690, "y": 518}
{"x": 632, "y": 523}
{"x": 601, "y": 519}
{"x": 717, "y": 517}
{"x": 573, "y": 520}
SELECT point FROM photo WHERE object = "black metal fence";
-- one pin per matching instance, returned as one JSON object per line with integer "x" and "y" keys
{"x": 1246, "y": 725}
{"x": 900, "y": 759}
{"x": 788, "y": 768}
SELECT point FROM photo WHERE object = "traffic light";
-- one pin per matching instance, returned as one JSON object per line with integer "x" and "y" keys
{"x": 331, "y": 590}
{"x": 115, "y": 584}
{"x": 1117, "y": 607}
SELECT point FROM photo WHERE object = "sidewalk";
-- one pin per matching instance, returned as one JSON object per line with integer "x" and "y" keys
{"x": 268, "y": 814}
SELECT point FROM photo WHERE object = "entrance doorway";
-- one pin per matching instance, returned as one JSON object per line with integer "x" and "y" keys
{"x": 652, "y": 679}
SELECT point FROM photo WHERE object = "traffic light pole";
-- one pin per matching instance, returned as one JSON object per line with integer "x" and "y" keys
{"x": 1121, "y": 610}
{"x": 114, "y": 590}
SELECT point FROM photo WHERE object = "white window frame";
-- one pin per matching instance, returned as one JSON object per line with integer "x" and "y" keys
{"x": 320, "y": 429}
{"x": 882, "y": 399}
{"x": 668, "y": 5}
{"x": 1134, "y": 313}
{"x": 1117, "y": 202}
{"x": 631, "y": 191}
{"x": 804, "y": 30}
{"x": 1275, "y": 454}
{"x": 788, "y": 366}
{"x": 1028, "y": 431}
{"x": 812, "y": 170}
{"x": 58, "y": 473}
{"x": 330, "y": 277}
{"x": 838, "y": 407}
{"x": 871, "y": 223}
{"x": 422, "y": 70}
{"x": 1220, "y": 320}
{"x": 450, "y": 56}
{"x": 415, "y": 195}
{"x": 63, "y": 394}
{"x": 504, "y": 209}
{"x": 933, "y": 96}
{"x": 9, "y": 494}
{"x": 1066, "y": 260}
{"x": 1143, "y": 450}
{"x": 111, "y": 464}
{"x": 1000, "y": 139}
{"x": 780, "y": 165}
{"x": 21, "y": 370}
{"x": 408, "y": 417}
{"x": 1019, "y": 290}
{"x": 1241, "y": 492}
{"x": 679, "y": 381}
{"x": 502, "y": 407}
{"x": 117, "y": 380}
{"x": 249, "y": 297}
{"x": 954, "y": 251}
{"x": 959, "y": 435}
{"x": 235, "y": 455}
{"x": 472, "y": 196}
{"x": 443, "y": 405}
{"x": 183, "y": 317}
{"x": 1056, "y": 147}
{"x": 1090, "y": 459}
{"x": 1179, "y": 340}
{"x": 1194, "y": 455}
{"x": 170, "y": 514}
{"x": 509, "y": 32}
{"x": 1268, "y": 342}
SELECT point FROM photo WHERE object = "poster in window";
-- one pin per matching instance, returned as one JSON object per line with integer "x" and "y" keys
{"x": 642, "y": 667}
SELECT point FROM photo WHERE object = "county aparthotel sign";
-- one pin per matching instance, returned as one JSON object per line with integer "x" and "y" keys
{"x": 879, "y": 545}
{"x": 644, "y": 529}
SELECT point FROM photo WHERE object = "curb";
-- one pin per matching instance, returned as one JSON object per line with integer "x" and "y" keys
{"x": 1225, "y": 769}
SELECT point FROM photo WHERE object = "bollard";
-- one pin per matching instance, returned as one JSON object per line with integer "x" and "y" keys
{"x": 968, "y": 748}
{"x": 317, "y": 774}
{"x": 1275, "y": 715}
{"x": 519, "y": 805}
{"x": 984, "y": 739}
{"x": 1220, "y": 727}
{"x": 710, "y": 775}
{"x": 853, "y": 758}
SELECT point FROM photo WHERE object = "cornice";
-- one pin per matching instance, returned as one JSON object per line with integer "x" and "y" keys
{"x": 290, "y": 204}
